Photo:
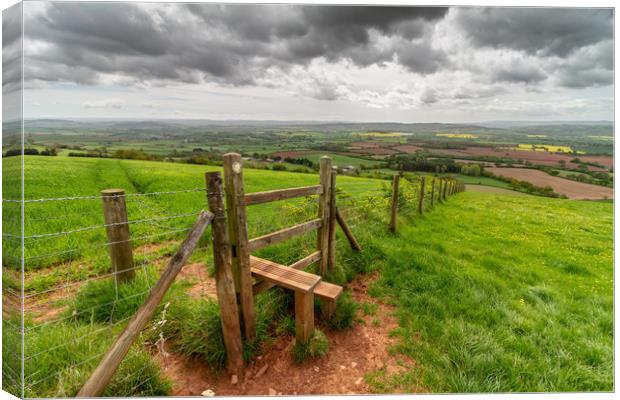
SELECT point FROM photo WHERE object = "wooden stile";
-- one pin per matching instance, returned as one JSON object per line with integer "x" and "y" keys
{"x": 100, "y": 378}
{"x": 237, "y": 222}
{"x": 394, "y": 211}
{"x": 421, "y": 199}
{"x": 282, "y": 194}
{"x": 117, "y": 229}
{"x": 331, "y": 262}
{"x": 224, "y": 280}
{"x": 324, "y": 200}
{"x": 347, "y": 231}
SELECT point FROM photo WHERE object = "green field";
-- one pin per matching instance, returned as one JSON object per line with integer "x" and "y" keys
{"x": 503, "y": 293}
{"x": 492, "y": 293}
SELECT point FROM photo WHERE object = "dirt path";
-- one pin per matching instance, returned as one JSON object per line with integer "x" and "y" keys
{"x": 352, "y": 354}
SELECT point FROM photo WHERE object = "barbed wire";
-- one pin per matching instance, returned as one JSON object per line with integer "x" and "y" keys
{"x": 98, "y": 197}
{"x": 362, "y": 209}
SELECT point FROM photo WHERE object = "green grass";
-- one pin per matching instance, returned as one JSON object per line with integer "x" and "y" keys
{"x": 506, "y": 293}
{"x": 492, "y": 293}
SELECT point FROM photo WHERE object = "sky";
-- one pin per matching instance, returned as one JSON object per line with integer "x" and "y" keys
{"x": 296, "y": 62}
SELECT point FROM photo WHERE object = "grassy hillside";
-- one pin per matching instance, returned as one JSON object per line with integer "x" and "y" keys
{"x": 493, "y": 293}
{"x": 503, "y": 293}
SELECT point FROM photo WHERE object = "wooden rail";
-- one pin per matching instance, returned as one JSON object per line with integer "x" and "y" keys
{"x": 96, "y": 384}
{"x": 282, "y": 194}
{"x": 283, "y": 234}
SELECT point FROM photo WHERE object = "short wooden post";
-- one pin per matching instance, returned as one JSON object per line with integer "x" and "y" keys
{"x": 304, "y": 316}
{"x": 237, "y": 223}
{"x": 394, "y": 212}
{"x": 347, "y": 232}
{"x": 445, "y": 189}
{"x": 224, "y": 281}
{"x": 325, "y": 172}
{"x": 117, "y": 228}
{"x": 433, "y": 192}
{"x": 421, "y": 199}
{"x": 331, "y": 261}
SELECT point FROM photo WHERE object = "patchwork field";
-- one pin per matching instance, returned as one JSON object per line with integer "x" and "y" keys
{"x": 571, "y": 189}
{"x": 535, "y": 157}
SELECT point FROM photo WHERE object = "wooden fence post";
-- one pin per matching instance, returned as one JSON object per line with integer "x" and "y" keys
{"x": 224, "y": 281}
{"x": 445, "y": 189}
{"x": 99, "y": 379}
{"x": 332, "y": 222}
{"x": 421, "y": 200}
{"x": 433, "y": 192}
{"x": 117, "y": 228}
{"x": 394, "y": 212}
{"x": 325, "y": 173}
{"x": 237, "y": 223}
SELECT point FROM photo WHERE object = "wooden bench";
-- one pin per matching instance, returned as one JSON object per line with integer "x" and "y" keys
{"x": 305, "y": 285}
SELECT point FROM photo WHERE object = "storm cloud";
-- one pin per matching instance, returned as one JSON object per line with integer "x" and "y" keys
{"x": 434, "y": 55}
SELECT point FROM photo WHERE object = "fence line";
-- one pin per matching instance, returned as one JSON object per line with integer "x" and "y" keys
{"x": 362, "y": 207}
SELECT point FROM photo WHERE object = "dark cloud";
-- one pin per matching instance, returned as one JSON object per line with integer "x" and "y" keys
{"x": 548, "y": 32}
{"x": 225, "y": 43}
{"x": 236, "y": 44}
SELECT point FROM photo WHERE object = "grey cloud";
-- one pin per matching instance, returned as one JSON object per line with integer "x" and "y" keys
{"x": 429, "y": 96}
{"x": 421, "y": 57}
{"x": 519, "y": 74}
{"x": 550, "y": 31}
{"x": 590, "y": 66}
{"x": 224, "y": 43}
{"x": 11, "y": 49}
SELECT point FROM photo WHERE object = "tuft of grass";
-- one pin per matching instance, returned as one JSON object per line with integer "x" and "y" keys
{"x": 316, "y": 347}
{"x": 64, "y": 355}
{"x": 194, "y": 328}
{"x": 345, "y": 312}
{"x": 105, "y": 301}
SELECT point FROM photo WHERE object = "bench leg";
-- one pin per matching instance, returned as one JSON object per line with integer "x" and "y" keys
{"x": 304, "y": 316}
{"x": 329, "y": 307}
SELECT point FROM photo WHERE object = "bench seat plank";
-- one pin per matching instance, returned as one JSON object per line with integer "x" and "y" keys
{"x": 284, "y": 276}
{"x": 326, "y": 290}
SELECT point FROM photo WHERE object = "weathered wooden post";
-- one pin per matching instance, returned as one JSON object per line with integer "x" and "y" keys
{"x": 433, "y": 192}
{"x": 119, "y": 240}
{"x": 325, "y": 174}
{"x": 224, "y": 281}
{"x": 421, "y": 199}
{"x": 394, "y": 212}
{"x": 332, "y": 222}
{"x": 238, "y": 233}
{"x": 445, "y": 189}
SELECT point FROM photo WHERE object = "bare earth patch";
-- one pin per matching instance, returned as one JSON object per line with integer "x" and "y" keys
{"x": 352, "y": 354}
{"x": 571, "y": 189}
